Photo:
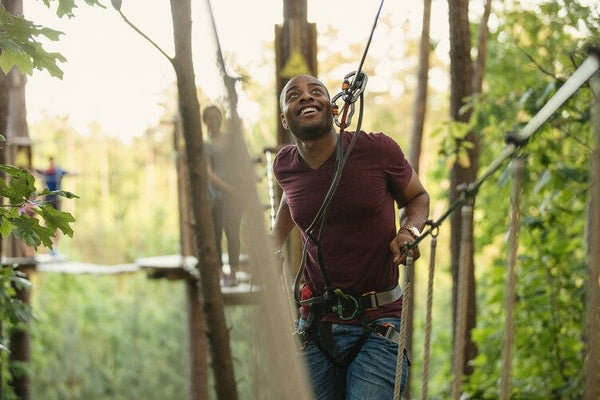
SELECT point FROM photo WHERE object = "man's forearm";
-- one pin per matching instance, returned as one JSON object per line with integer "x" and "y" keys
{"x": 416, "y": 211}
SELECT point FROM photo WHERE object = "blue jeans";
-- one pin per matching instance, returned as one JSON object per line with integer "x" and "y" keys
{"x": 370, "y": 376}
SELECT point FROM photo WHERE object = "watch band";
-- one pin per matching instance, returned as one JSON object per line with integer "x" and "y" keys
{"x": 413, "y": 230}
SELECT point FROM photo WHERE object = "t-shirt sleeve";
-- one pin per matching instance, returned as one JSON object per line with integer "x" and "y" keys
{"x": 397, "y": 168}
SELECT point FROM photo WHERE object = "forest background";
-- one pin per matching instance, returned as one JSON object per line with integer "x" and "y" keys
{"x": 106, "y": 337}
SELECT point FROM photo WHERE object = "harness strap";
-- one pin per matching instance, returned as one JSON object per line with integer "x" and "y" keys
{"x": 373, "y": 300}
{"x": 326, "y": 343}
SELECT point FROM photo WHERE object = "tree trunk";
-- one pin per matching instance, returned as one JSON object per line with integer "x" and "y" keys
{"x": 16, "y": 127}
{"x": 420, "y": 108}
{"x": 208, "y": 260}
{"x": 461, "y": 75}
{"x": 416, "y": 140}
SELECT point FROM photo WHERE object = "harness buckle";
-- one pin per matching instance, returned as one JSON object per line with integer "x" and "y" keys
{"x": 388, "y": 332}
{"x": 371, "y": 303}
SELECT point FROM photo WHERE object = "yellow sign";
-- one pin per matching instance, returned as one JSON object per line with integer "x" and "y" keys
{"x": 296, "y": 64}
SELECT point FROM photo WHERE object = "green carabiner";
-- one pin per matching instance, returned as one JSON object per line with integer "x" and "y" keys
{"x": 339, "y": 308}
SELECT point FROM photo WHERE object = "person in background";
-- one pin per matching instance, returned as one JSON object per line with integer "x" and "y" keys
{"x": 52, "y": 177}
{"x": 349, "y": 322}
{"x": 224, "y": 181}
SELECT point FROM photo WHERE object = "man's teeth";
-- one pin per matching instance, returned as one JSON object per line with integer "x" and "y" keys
{"x": 308, "y": 109}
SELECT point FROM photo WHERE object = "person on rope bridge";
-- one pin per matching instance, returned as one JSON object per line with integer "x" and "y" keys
{"x": 350, "y": 303}
{"x": 224, "y": 182}
{"x": 53, "y": 176}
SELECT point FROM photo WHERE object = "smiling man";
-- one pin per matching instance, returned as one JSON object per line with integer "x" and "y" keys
{"x": 351, "y": 303}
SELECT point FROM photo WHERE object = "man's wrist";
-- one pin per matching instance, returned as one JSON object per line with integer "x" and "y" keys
{"x": 413, "y": 230}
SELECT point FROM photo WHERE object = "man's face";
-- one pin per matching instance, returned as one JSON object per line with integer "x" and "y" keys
{"x": 306, "y": 108}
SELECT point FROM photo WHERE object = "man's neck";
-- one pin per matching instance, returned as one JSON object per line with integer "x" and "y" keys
{"x": 316, "y": 152}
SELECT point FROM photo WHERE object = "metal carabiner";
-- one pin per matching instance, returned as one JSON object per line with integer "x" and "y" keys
{"x": 350, "y": 94}
{"x": 335, "y": 107}
{"x": 359, "y": 84}
{"x": 340, "y": 308}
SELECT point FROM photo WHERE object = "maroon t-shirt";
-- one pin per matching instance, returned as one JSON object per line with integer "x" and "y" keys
{"x": 361, "y": 221}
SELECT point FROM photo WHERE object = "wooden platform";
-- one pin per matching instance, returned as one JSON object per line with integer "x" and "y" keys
{"x": 177, "y": 267}
{"x": 61, "y": 264}
{"x": 172, "y": 267}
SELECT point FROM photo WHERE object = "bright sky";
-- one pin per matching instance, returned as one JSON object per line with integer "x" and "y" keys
{"x": 114, "y": 77}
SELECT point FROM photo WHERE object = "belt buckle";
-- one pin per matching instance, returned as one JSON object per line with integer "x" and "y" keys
{"x": 373, "y": 304}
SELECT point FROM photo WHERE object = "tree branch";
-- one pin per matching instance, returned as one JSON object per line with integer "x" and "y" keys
{"x": 135, "y": 28}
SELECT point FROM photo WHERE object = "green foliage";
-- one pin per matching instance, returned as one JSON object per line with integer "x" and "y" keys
{"x": 21, "y": 48}
{"x": 18, "y": 216}
{"x": 109, "y": 338}
{"x": 20, "y": 44}
{"x": 102, "y": 338}
{"x": 531, "y": 55}
{"x": 67, "y": 7}
{"x": 18, "y": 219}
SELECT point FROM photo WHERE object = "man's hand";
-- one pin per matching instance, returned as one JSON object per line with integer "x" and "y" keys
{"x": 399, "y": 247}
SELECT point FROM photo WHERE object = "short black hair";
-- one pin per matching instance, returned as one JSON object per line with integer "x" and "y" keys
{"x": 211, "y": 108}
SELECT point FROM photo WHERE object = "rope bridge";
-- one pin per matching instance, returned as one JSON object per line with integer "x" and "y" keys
{"x": 515, "y": 141}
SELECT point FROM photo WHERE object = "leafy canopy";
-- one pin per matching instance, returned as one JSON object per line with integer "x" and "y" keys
{"x": 20, "y": 44}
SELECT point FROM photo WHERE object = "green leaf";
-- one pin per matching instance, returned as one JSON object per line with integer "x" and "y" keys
{"x": 56, "y": 219}
{"x": 20, "y": 48}
{"x": 21, "y": 185}
{"x": 32, "y": 232}
{"x": 5, "y": 227}
{"x": 10, "y": 59}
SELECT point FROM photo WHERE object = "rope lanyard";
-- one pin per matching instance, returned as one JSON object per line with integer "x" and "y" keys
{"x": 428, "y": 314}
{"x": 466, "y": 247}
{"x": 403, "y": 325}
{"x": 515, "y": 216}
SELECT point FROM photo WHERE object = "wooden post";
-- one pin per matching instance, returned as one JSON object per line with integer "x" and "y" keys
{"x": 295, "y": 53}
{"x": 295, "y": 50}
{"x": 196, "y": 324}
{"x": 593, "y": 291}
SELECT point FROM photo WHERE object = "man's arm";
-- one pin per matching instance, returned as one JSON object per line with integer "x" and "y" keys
{"x": 416, "y": 211}
{"x": 283, "y": 224}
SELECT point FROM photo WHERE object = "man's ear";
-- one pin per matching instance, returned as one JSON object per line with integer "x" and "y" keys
{"x": 283, "y": 121}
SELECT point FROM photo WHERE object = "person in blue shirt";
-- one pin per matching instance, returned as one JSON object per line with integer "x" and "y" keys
{"x": 52, "y": 177}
